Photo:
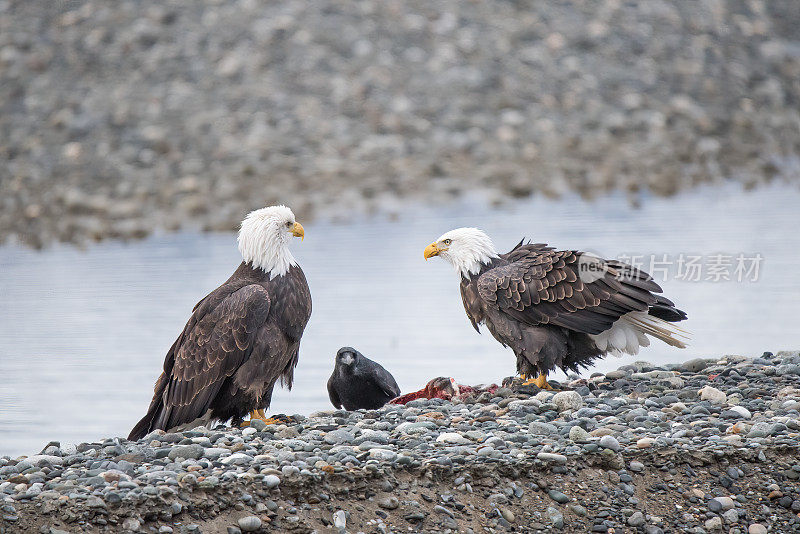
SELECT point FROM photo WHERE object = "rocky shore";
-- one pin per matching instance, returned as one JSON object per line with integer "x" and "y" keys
{"x": 117, "y": 120}
{"x": 704, "y": 446}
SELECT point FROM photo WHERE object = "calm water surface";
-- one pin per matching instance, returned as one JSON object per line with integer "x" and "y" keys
{"x": 83, "y": 333}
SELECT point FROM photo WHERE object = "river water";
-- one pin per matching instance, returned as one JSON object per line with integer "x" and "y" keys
{"x": 83, "y": 333}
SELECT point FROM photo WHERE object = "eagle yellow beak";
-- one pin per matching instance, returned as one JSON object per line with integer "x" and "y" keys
{"x": 298, "y": 231}
{"x": 431, "y": 251}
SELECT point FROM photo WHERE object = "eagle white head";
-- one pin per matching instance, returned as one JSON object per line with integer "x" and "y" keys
{"x": 264, "y": 239}
{"x": 466, "y": 249}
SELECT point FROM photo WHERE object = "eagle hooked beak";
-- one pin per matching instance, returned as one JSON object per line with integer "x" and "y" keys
{"x": 432, "y": 250}
{"x": 298, "y": 231}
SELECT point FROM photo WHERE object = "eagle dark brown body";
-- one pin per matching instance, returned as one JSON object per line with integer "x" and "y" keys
{"x": 533, "y": 300}
{"x": 240, "y": 340}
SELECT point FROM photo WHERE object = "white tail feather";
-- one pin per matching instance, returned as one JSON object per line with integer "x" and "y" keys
{"x": 630, "y": 332}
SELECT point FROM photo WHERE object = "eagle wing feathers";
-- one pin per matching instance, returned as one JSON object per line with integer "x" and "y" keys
{"x": 540, "y": 285}
{"x": 217, "y": 340}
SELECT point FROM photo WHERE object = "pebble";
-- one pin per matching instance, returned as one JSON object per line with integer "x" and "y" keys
{"x": 645, "y": 443}
{"x": 556, "y": 517}
{"x": 186, "y": 452}
{"x": 721, "y": 503}
{"x": 636, "y": 519}
{"x": 249, "y": 523}
{"x": 742, "y": 411}
{"x": 507, "y": 514}
{"x": 552, "y": 457}
{"x": 647, "y": 437}
{"x": 131, "y": 524}
{"x": 389, "y": 503}
{"x": 579, "y": 435}
{"x": 609, "y": 442}
{"x": 756, "y": 528}
{"x": 713, "y": 395}
{"x": 558, "y": 496}
{"x": 340, "y": 520}
{"x": 452, "y": 437}
{"x": 271, "y": 481}
{"x": 567, "y": 400}
{"x": 339, "y": 436}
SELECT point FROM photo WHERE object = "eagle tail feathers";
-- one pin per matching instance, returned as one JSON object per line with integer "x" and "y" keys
{"x": 629, "y": 333}
{"x": 145, "y": 424}
{"x": 660, "y": 329}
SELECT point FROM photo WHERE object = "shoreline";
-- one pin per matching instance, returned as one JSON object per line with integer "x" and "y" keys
{"x": 698, "y": 447}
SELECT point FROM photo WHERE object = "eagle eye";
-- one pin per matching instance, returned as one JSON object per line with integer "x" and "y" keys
{"x": 288, "y": 224}
{"x": 448, "y": 241}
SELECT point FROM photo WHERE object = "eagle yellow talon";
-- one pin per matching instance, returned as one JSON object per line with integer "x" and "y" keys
{"x": 540, "y": 382}
{"x": 256, "y": 414}
{"x": 273, "y": 421}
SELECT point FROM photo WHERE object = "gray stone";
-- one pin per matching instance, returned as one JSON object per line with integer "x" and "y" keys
{"x": 558, "y": 496}
{"x": 271, "y": 481}
{"x": 636, "y": 519}
{"x": 636, "y": 467}
{"x": 131, "y": 523}
{"x": 731, "y": 516}
{"x": 609, "y": 442}
{"x": 538, "y": 428}
{"x": 579, "y": 435}
{"x": 696, "y": 365}
{"x": 249, "y": 523}
{"x": 193, "y": 452}
{"x": 552, "y": 458}
{"x": 389, "y": 503}
{"x": 567, "y": 400}
{"x": 556, "y": 517}
{"x": 713, "y": 395}
{"x": 336, "y": 437}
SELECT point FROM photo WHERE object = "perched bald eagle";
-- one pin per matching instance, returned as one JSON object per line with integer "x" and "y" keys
{"x": 556, "y": 308}
{"x": 241, "y": 338}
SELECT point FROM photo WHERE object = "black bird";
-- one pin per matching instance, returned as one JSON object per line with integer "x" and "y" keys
{"x": 358, "y": 382}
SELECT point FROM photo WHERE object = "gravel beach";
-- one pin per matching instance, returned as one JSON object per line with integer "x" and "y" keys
{"x": 119, "y": 120}
{"x": 703, "y": 446}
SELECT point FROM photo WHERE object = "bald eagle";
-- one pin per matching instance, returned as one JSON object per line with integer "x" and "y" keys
{"x": 241, "y": 338}
{"x": 556, "y": 308}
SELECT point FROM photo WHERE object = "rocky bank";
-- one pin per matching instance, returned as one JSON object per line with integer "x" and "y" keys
{"x": 117, "y": 119}
{"x": 702, "y": 447}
